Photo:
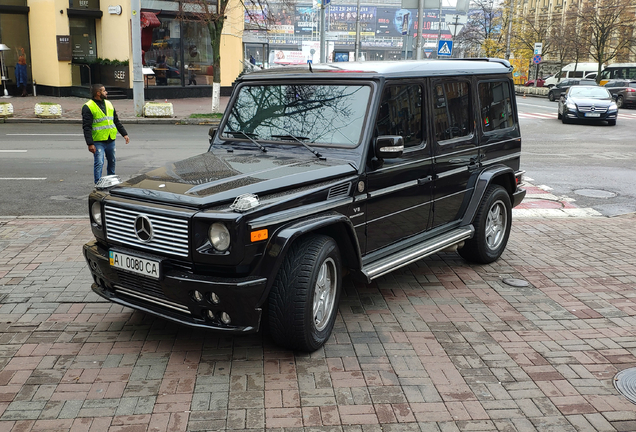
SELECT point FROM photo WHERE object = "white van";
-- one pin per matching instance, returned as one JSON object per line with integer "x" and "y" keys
{"x": 583, "y": 70}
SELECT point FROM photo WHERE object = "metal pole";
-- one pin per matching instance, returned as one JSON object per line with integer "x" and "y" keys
{"x": 439, "y": 30}
{"x": 509, "y": 29}
{"x": 323, "y": 51}
{"x": 357, "y": 54}
{"x": 420, "y": 24}
{"x": 138, "y": 77}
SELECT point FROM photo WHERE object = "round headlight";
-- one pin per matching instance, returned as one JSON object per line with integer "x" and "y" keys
{"x": 96, "y": 212}
{"x": 219, "y": 236}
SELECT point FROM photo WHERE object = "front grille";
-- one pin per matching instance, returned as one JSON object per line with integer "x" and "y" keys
{"x": 142, "y": 298}
{"x": 170, "y": 234}
{"x": 141, "y": 284}
{"x": 588, "y": 108}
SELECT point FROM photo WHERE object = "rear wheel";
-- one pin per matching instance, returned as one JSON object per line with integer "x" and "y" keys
{"x": 303, "y": 302}
{"x": 551, "y": 96}
{"x": 620, "y": 101}
{"x": 492, "y": 227}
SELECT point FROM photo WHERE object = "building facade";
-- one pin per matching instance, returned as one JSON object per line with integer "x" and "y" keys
{"x": 70, "y": 44}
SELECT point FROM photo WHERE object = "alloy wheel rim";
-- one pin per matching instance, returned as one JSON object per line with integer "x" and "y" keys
{"x": 496, "y": 223}
{"x": 324, "y": 294}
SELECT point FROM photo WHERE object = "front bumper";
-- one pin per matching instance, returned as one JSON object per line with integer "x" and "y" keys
{"x": 577, "y": 115}
{"x": 171, "y": 296}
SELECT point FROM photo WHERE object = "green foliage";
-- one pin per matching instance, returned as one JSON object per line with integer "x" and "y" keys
{"x": 107, "y": 62}
{"x": 209, "y": 115}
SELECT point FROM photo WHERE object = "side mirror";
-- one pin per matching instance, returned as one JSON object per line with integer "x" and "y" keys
{"x": 389, "y": 146}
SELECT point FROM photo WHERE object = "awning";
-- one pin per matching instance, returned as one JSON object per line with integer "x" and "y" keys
{"x": 149, "y": 20}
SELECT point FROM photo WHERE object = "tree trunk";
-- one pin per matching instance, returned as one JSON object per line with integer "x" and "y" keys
{"x": 215, "y": 29}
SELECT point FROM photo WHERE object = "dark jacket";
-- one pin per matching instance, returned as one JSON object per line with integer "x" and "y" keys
{"x": 87, "y": 122}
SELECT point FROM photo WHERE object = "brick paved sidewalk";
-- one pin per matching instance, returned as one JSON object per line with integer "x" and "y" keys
{"x": 438, "y": 346}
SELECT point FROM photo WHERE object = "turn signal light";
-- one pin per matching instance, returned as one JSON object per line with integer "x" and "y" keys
{"x": 258, "y": 235}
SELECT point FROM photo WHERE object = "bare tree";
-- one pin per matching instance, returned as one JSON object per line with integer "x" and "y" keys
{"x": 610, "y": 24}
{"x": 212, "y": 14}
{"x": 484, "y": 32}
{"x": 534, "y": 29}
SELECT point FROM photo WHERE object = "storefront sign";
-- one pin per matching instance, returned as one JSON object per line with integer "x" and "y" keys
{"x": 114, "y": 10}
{"x": 85, "y": 4}
{"x": 64, "y": 50}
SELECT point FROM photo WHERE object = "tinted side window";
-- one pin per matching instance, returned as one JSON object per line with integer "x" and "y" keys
{"x": 495, "y": 105}
{"x": 452, "y": 112}
{"x": 401, "y": 113}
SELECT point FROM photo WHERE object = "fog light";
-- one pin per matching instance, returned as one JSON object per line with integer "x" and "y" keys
{"x": 197, "y": 296}
{"x": 214, "y": 298}
{"x": 210, "y": 314}
{"x": 225, "y": 318}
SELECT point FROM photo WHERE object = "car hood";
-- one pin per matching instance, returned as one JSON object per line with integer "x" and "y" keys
{"x": 216, "y": 178}
{"x": 591, "y": 101}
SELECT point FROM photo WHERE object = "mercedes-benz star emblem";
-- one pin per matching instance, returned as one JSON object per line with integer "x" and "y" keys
{"x": 593, "y": 108}
{"x": 143, "y": 228}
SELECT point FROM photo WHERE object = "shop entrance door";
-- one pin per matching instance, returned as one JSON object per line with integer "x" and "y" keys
{"x": 84, "y": 47}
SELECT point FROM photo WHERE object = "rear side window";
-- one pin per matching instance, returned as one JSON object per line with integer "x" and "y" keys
{"x": 495, "y": 105}
{"x": 452, "y": 112}
{"x": 401, "y": 113}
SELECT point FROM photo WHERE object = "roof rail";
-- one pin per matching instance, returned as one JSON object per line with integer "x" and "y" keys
{"x": 504, "y": 62}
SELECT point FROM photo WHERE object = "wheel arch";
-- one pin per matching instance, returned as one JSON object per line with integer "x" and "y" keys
{"x": 501, "y": 175}
{"x": 332, "y": 224}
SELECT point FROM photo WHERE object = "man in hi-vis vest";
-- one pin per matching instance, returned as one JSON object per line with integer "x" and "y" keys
{"x": 100, "y": 124}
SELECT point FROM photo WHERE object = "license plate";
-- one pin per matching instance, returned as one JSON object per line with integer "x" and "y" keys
{"x": 592, "y": 115}
{"x": 133, "y": 264}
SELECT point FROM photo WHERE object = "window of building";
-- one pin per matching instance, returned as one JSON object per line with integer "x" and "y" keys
{"x": 401, "y": 113}
{"x": 14, "y": 33}
{"x": 495, "y": 105}
{"x": 452, "y": 111}
{"x": 180, "y": 49}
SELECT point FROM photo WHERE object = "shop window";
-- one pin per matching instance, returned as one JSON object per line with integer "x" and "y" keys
{"x": 495, "y": 105}
{"x": 180, "y": 49}
{"x": 14, "y": 33}
{"x": 400, "y": 113}
{"x": 452, "y": 110}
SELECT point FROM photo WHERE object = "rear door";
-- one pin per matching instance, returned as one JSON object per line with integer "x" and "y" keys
{"x": 455, "y": 149}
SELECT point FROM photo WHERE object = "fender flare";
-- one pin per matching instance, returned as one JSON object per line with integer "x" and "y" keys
{"x": 485, "y": 179}
{"x": 337, "y": 225}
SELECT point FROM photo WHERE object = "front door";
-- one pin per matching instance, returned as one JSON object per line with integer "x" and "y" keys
{"x": 399, "y": 189}
{"x": 455, "y": 147}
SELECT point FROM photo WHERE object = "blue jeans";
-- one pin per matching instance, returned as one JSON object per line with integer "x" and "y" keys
{"x": 100, "y": 149}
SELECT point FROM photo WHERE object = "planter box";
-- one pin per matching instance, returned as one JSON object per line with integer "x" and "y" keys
{"x": 48, "y": 110}
{"x": 6, "y": 109}
{"x": 158, "y": 109}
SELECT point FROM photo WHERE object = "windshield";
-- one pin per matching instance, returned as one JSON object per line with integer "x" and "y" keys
{"x": 590, "y": 92}
{"x": 320, "y": 114}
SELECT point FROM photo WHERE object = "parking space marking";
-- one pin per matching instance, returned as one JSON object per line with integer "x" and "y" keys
{"x": 22, "y": 178}
{"x": 13, "y": 151}
{"x": 527, "y": 115}
{"x": 38, "y": 134}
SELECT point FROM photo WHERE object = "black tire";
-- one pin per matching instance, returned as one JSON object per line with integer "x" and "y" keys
{"x": 611, "y": 122}
{"x": 565, "y": 120}
{"x": 620, "y": 101}
{"x": 558, "y": 115}
{"x": 492, "y": 227}
{"x": 297, "y": 318}
{"x": 551, "y": 96}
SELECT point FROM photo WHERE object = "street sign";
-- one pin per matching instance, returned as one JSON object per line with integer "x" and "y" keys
{"x": 538, "y": 48}
{"x": 536, "y": 59}
{"x": 445, "y": 48}
{"x": 405, "y": 24}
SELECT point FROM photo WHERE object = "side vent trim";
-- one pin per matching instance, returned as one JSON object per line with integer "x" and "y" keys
{"x": 339, "y": 191}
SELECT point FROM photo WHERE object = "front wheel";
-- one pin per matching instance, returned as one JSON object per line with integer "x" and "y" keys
{"x": 611, "y": 122}
{"x": 303, "y": 302}
{"x": 492, "y": 227}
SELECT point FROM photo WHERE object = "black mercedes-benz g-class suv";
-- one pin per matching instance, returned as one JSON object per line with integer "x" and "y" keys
{"x": 313, "y": 172}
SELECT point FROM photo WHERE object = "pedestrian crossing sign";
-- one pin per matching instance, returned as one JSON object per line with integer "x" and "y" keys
{"x": 444, "y": 48}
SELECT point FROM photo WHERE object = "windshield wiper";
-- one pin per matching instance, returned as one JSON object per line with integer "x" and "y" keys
{"x": 300, "y": 140}
{"x": 249, "y": 137}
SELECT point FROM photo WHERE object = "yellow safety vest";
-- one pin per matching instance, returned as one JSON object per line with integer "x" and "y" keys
{"x": 104, "y": 128}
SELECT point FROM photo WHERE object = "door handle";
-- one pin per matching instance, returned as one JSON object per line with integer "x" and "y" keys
{"x": 424, "y": 180}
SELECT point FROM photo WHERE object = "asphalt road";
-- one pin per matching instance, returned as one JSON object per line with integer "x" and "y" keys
{"x": 578, "y": 160}
{"x": 46, "y": 170}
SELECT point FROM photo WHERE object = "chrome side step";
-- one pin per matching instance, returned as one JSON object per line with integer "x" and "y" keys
{"x": 410, "y": 255}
